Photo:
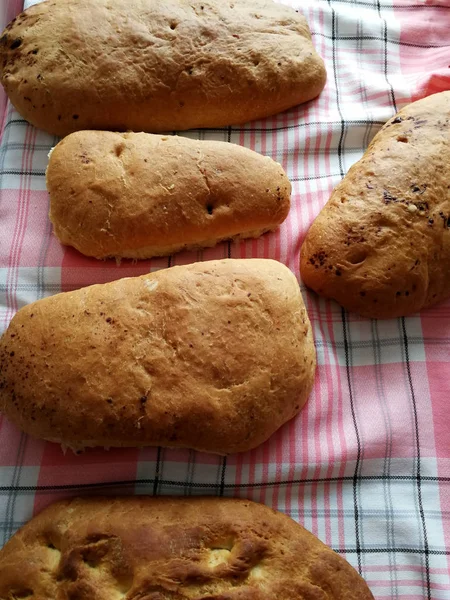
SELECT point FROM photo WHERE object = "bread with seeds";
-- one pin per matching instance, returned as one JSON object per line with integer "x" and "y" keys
{"x": 214, "y": 356}
{"x": 157, "y": 65}
{"x": 138, "y": 195}
{"x": 381, "y": 245}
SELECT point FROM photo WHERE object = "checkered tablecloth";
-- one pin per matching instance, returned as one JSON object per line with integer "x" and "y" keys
{"x": 366, "y": 466}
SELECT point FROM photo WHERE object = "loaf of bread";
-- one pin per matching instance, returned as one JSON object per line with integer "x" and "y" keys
{"x": 200, "y": 548}
{"x": 157, "y": 65}
{"x": 381, "y": 245}
{"x": 214, "y": 356}
{"x": 139, "y": 195}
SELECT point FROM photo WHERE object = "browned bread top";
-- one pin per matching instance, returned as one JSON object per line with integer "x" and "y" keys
{"x": 139, "y": 195}
{"x": 142, "y": 548}
{"x": 157, "y": 65}
{"x": 214, "y": 356}
{"x": 381, "y": 245}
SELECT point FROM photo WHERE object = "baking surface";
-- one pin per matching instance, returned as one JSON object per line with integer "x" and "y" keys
{"x": 365, "y": 466}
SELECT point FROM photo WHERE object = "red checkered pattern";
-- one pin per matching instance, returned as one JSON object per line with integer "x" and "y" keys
{"x": 366, "y": 466}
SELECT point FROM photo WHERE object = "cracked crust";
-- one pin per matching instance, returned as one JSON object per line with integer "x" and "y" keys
{"x": 143, "y": 548}
{"x": 214, "y": 356}
{"x": 157, "y": 65}
{"x": 138, "y": 195}
{"x": 381, "y": 245}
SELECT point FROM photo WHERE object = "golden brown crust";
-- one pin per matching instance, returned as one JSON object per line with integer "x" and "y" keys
{"x": 214, "y": 356}
{"x": 381, "y": 245}
{"x": 157, "y": 65}
{"x": 142, "y": 548}
{"x": 138, "y": 195}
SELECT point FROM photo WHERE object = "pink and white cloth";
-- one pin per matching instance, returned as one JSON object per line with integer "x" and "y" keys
{"x": 366, "y": 466}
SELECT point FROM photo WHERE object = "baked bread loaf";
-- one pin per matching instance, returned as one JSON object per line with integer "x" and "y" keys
{"x": 381, "y": 245}
{"x": 171, "y": 548}
{"x": 157, "y": 65}
{"x": 138, "y": 195}
{"x": 214, "y": 356}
